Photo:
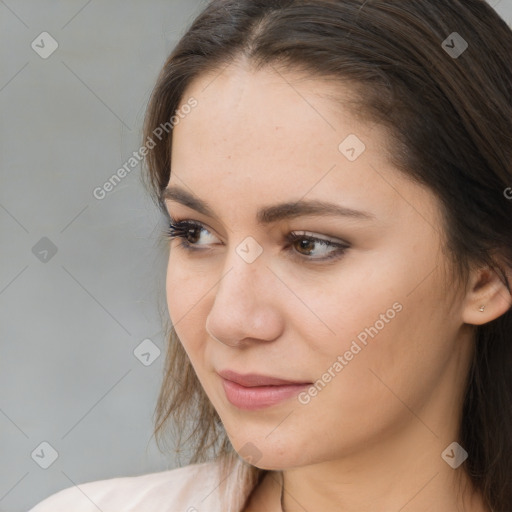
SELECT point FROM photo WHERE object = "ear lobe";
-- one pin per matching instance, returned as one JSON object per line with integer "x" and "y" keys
{"x": 487, "y": 298}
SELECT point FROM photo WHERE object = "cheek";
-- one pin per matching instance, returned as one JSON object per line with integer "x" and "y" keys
{"x": 184, "y": 290}
{"x": 186, "y": 285}
{"x": 389, "y": 364}
{"x": 333, "y": 309}
{"x": 387, "y": 335}
{"x": 175, "y": 286}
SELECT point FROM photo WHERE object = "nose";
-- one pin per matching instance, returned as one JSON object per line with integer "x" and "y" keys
{"x": 246, "y": 306}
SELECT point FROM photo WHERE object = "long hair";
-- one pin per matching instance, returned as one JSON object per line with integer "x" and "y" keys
{"x": 447, "y": 109}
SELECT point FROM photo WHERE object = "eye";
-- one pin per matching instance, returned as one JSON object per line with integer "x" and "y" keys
{"x": 304, "y": 247}
{"x": 189, "y": 231}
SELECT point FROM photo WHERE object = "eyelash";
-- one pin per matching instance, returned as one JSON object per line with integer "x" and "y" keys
{"x": 180, "y": 229}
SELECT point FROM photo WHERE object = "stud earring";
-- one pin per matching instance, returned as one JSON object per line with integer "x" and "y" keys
{"x": 481, "y": 308}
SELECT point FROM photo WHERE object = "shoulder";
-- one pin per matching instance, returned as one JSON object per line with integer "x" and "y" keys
{"x": 191, "y": 488}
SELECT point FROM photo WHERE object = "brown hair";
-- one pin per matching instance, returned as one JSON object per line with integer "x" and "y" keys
{"x": 449, "y": 119}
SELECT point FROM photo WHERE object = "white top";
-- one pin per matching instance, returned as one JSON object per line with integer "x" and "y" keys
{"x": 192, "y": 488}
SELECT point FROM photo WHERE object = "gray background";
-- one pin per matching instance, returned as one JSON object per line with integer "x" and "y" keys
{"x": 69, "y": 326}
{"x": 70, "y": 321}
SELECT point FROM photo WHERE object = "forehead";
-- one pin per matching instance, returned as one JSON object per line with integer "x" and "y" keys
{"x": 257, "y": 137}
{"x": 239, "y": 101}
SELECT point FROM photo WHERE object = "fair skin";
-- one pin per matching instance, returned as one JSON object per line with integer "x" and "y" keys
{"x": 372, "y": 438}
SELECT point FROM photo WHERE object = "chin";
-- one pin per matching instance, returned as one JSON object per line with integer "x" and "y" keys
{"x": 274, "y": 455}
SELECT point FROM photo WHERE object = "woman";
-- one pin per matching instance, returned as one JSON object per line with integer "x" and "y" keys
{"x": 336, "y": 174}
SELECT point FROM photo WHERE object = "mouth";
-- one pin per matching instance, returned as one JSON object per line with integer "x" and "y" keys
{"x": 254, "y": 391}
{"x": 250, "y": 380}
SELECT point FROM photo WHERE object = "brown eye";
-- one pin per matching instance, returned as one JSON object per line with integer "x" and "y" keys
{"x": 192, "y": 235}
{"x": 189, "y": 231}
{"x": 305, "y": 245}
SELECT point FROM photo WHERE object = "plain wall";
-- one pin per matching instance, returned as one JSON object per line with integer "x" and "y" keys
{"x": 70, "y": 321}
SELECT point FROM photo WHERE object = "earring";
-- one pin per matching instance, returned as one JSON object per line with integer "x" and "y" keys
{"x": 481, "y": 308}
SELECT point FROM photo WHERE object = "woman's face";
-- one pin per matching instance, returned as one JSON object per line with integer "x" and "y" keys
{"x": 375, "y": 329}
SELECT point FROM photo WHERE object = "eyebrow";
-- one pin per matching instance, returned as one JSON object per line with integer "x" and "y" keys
{"x": 269, "y": 214}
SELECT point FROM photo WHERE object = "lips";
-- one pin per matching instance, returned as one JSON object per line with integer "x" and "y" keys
{"x": 253, "y": 391}
{"x": 250, "y": 380}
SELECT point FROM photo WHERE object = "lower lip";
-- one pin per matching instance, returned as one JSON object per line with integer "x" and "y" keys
{"x": 259, "y": 397}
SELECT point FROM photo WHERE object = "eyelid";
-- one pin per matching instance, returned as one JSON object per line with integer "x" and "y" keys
{"x": 178, "y": 229}
{"x": 295, "y": 233}
{"x": 197, "y": 223}
{"x": 326, "y": 238}
{"x": 177, "y": 220}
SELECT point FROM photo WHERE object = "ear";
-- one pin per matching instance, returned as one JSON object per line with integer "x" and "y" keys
{"x": 487, "y": 289}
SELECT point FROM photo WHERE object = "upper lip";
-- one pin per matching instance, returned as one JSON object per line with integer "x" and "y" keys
{"x": 253, "y": 379}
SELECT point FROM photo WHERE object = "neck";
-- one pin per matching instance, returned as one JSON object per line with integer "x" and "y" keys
{"x": 379, "y": 480}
